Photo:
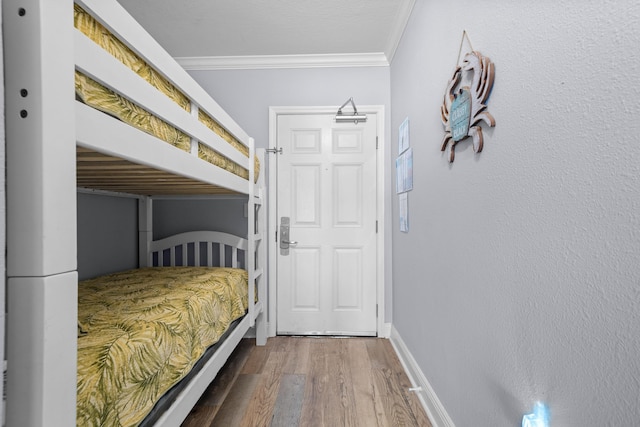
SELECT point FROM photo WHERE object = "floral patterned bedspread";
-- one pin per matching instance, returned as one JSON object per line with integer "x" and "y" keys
{"x": 141, "y": 331}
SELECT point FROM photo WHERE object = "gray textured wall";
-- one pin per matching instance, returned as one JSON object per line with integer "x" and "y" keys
{"x": 107, "y": 234}
{"x": 179, "y": 216}
{"x": 519, "y": 278}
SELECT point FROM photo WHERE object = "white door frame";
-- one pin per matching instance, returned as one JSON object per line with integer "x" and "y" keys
{"x": 274, "y": 112}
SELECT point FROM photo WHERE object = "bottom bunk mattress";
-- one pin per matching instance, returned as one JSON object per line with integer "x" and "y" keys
{"x": 141, "y": 331}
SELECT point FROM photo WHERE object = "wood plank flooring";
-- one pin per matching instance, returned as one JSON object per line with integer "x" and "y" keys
{"x": 308, "y": 381}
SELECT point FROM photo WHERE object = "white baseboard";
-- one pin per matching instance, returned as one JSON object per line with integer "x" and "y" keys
{"x": 271, "y": 329}
{"x": 432, "y": 405}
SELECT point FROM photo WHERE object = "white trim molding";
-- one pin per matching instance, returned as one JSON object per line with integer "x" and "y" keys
{"x": 432, "y": 405}
{"x": 385, "y": 331}
{"x": 212, "y": 63}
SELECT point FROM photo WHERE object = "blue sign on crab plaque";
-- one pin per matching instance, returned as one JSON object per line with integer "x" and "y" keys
{"x": 460, "y": 115}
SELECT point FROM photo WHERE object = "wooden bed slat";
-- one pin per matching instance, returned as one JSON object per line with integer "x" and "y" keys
{"x": 103, "y": 172}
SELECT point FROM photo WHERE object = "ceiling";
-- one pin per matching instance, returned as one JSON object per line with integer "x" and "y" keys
{"x": 213, "y": 34}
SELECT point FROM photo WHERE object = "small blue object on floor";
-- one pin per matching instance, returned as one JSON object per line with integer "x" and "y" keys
{"x": 538, "y": 418}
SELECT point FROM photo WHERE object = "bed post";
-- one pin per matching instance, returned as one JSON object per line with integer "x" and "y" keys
{"x": 41, "y": 213}
{"x": 145, "y": 231}
{"x": 260, "y": 243}
{"x": 251, "y": 235}
{"x": 255, "y": 251}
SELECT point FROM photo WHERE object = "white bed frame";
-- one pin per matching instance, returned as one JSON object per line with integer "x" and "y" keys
{"x": 190, "y": 395}
{"x": 44, "y": 124}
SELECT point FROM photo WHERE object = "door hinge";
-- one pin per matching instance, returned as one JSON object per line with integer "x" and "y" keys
{"x": 276, "y": 233}
{"x": 376, "y": 142}
{"x": 376, "y": 311}
{"x": 376, "y": 226}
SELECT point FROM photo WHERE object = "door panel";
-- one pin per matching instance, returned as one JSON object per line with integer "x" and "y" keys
{"x": 305, "y": 279}
{"x": 326, "y": 180}
{"x": 305, "y": 181}
{"x": 347, "y": 268}
{"x": 347, "y": 200}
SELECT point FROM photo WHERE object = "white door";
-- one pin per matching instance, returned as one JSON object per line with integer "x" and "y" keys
{"x": 326, "y": 194}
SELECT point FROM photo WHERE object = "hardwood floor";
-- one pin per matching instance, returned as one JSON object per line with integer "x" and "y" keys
{"x": 308, "y": 381}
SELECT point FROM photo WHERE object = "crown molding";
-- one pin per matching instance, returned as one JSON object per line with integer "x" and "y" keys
{"x": 210, "y": 63}
{"x": 398, "y": 28}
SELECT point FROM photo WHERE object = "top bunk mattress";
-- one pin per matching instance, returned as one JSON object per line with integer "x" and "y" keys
{"x": 102, "y": 98}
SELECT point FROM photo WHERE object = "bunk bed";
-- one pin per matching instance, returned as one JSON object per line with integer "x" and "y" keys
{"x": 94, "y": 103}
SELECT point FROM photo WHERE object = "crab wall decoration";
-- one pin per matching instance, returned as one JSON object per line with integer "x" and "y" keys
{"x": 462, "y": 112}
